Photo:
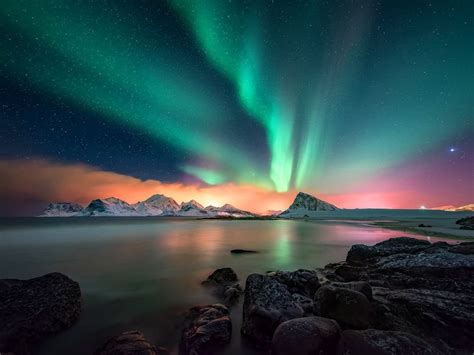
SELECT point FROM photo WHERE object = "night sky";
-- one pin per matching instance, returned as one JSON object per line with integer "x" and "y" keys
{"x": 363, "y": 103}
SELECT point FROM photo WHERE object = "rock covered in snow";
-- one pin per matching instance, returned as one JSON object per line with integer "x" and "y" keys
{"x": 304, "y": 204}
{"x": 157, "y": 205}
{"x": 109, "y": 207}
{"x": 61, "y": 209}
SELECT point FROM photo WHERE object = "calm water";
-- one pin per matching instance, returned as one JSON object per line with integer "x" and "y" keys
{"x": 143, "y": 273}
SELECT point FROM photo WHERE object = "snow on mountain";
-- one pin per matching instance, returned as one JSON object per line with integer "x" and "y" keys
{"x": 109, "y": 207}
{"x": 192, "y": 209}
{"x": 61, "y": 209}
{"x": 306, "y": 205}
{"x": 451, "y": 208}
{"x": 228, "y": 210}
{"x": 157, "y": 205}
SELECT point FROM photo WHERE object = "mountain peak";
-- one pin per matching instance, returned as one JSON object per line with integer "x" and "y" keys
{"x": 304, "y": 202}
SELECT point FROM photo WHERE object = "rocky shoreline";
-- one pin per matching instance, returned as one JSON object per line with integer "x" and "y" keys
{"x": 401, "y": 296}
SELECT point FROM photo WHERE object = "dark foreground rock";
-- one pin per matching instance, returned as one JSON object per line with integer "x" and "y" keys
{"x": 420, "y": 288}
{"x": 350, "y": 308}
{"x": 225, "y": 285}
{"x": 303, "y": 282}
{"x": 33, "y": 309}
{"x": 378, "y": 342}
{"x": 131, "y": 342}
{"x": 306, "y": 336}
{"x": 267, "y": 304}
{"x": 207, "y": 329}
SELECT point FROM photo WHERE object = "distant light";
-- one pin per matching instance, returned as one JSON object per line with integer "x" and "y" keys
{"x": 452, "y": 150}
{"x": 422, "y": 207}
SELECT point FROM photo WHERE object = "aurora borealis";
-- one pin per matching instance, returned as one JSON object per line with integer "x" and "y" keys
{"x": 367, "y": 103}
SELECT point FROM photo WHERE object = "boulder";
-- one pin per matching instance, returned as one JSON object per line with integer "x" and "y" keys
{"x": 207, "y": 329}
{"x": 350, "y": 308}
{"x": 267, "y": 304}
{"x": 306, "y": 336}
{"x": 360, "y": 286}
{"x": 466, "y": 223}
{"x": 303, "y": 282}
{"x": 360, "y": 254}
{"x": 131, "y": 342}
{"x": 224, "y": 283}
{"x": 379, "y": 342}
{"x": 33, "y": 309}
{"x": 304, "y": 302}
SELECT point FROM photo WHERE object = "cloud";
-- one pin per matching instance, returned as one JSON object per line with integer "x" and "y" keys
{"x": 28, "y": 185}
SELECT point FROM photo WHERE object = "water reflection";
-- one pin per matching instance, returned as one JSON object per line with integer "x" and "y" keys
{"x": 141, "y": 274}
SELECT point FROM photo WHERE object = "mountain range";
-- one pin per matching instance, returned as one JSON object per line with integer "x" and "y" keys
{"x": 156, "y": 205}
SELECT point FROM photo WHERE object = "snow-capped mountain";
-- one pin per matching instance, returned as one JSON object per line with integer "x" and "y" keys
{"x": 108, "y": 207}
{"x": 451, "y": 208}
{"x": 192, "y": 209}
{"x": 61, "y": 209}
{"x": 227, "y": 210}
{"x": 157, "y": 205}
{"x": 305, "y": 204}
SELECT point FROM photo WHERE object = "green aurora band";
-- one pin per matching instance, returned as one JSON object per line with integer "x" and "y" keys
{"x": 301, "y": 70}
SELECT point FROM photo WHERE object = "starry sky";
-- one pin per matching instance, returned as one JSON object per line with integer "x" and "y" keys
{"x": 363, "y": 103}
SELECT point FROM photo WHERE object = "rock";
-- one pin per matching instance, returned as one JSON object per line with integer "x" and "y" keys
{"x": 243, "y": 251}
{"x": 362, "y": 254}
{"x": 424, "y": 225}
{"x": 33, "y": 309}
{"x": 378, "y": 342}
{"x": 225, "y": 285}
{"x": 419, "y": 288}
{"x": 207, "y": 329}
{"x": 360, "y": 286}
{"x": 466, "y": 223}
{"x": 303, "y": 282}
{"x": 223, "y": 276}
{"x": 267, "y": 304}
{"x": 350, "y": 308}
{"x": 306, "y": 336}
{"x": 131, "y": 342}
{"x": 304, "y": 302}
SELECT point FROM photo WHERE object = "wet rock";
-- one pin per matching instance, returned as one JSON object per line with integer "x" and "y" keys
{"x": 362, "y": 254}
{"x": 225, "y": 275}
{"x": 33, "y": 309}
{"x": 303, "y": 282}
{"x": 360, "y": 286}
{"x": 310, "y": 335}
{"x": 267, "y": 304}
{"x": 350, "y": 308}
{"x": 131, "y": 342}
{"x": 466, "y": 223}
{"x": 207, "y": 329}
{"x": 378, "y": 342}
{"x": 304, "y": 302}
{"x": 224, "y": 283}
{"x": 419, "y": 288}
{"x": 243, "y": 251}
{"x": 424, "y": 225}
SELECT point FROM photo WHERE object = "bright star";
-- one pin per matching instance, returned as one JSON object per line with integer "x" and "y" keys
{"x": 452, "y": 149}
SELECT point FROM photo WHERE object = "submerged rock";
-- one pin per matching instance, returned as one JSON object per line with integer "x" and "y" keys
{"x": 350, "y": 308}
{"x": 207, "y": 329}
{"x": 33, "y": 309}
{"x": 131, "y": 342}
{"x": 267, "y": 304}
{"x": 225, "y": 285}
{"x": 306, "y": 336}
{"x": 466, "y": 223}
{"x": 378, "y": 342}
{"x": 243, "y": 251}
